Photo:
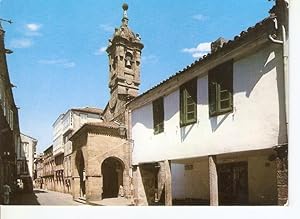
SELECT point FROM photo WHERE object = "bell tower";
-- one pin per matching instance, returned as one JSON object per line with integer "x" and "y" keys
{"x": 124, "y": 53}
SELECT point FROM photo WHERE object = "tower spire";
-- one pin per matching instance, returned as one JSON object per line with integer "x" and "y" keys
{"x": 125, "y": 17}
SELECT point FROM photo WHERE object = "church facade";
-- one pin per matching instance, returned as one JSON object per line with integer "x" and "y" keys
{"x": 101, "y": 155}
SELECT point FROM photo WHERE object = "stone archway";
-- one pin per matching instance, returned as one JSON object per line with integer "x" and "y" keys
{"x": 112, "y": 171}
{"x": 79, "y": 160}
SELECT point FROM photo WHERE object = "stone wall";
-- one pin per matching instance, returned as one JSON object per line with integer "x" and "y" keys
{"x": 282, "y": 174}
{"x": 152, "y": 183}
{"x": 96, "y": 148}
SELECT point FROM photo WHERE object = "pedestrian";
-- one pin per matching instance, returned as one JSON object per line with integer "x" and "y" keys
{"x": 6, "y": 191}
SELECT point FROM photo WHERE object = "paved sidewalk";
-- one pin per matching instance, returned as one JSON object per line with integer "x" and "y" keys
{"x": 43, "y": 197}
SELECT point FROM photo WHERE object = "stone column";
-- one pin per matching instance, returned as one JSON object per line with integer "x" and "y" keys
{"x": 93, "y": 188}
{"x": 126, "y": 184}
{"x": 168, "y": 183}
{"x": 140, "y": 197}
{"x": 282, "y": 174}
{"x": 213, "y": 180}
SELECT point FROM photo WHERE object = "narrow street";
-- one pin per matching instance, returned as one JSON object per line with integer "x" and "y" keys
{"x": 43, "y": 197}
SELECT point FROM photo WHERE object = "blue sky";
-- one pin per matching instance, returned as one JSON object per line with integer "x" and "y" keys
{"x": 58, "y": 60}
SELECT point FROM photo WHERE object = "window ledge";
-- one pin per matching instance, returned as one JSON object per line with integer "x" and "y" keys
{"x": 187, "y": 123}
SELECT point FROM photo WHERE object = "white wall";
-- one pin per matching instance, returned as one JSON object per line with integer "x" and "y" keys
{"x": 193, "y": 183}
{"x": 27, "y": 151}
{"x": 256, "y": 122}
{"x": 262, "y": 180}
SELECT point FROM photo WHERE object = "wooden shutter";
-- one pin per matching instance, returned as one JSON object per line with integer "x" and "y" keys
{"x": 188, "y": 103}
{"x": 158, "y": 115}
{"x": 220, "y": 85}
{"x": 225, "y": 81}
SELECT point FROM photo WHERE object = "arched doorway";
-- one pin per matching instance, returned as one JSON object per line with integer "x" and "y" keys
{"x": 81, "y": 171}
{"x": 112, "y": 172}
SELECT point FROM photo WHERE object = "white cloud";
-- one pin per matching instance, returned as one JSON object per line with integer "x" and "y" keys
{"x": 21, "y": 43}
{"x": 32, "y": 29}
{"x": 107, "y": 28}
{"x": 149, "y": 59}
{"x": 199, "y": 51}
{"x": 200, "y": 17}
{"x": 61, "y": 62}
{"x": 100, "y": 51}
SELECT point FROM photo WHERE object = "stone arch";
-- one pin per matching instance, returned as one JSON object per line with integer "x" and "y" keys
{"x": 81, "y": 169}
{"x": 112, "y": 169}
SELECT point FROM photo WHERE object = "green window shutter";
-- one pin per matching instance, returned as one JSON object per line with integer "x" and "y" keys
{"x": 220, "y": 81}
{"x": 212, "y": 98}
{"x": 181, "y": 106}
{"x": 226, "y": 84}
{"x": 188, "y": 103}
{"x": 158, "y": 115}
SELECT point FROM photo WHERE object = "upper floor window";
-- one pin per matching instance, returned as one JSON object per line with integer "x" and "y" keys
{"x": 158, "y": 115}
{"x": 11, "y": 120}
{"x": 220, "y": 87}
{"x": 188, "y": 103}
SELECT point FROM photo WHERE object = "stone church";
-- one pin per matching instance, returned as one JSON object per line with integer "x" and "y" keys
{"x": 101, "y": 156}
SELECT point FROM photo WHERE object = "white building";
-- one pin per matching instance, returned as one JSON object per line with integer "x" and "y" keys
{"x": 25, "y": 158}
{"x": 216, "y": 132}
{"x": 63, "y": 128}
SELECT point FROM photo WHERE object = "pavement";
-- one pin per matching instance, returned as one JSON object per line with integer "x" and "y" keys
{"x": 43, "y": 197}
{"x": 120, "y": 201}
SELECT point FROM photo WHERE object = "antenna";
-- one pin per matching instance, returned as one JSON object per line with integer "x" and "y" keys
{"x": 8, "y": 21}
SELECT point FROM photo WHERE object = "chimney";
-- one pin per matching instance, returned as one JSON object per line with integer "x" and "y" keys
{"x": 217, "y": 44}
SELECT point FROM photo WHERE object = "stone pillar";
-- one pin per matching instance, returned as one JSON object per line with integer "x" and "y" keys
{"x": 93, "y": 190}
{"x": 168, "y": 183}
{"x": 282, "y": 174}
{"x": 76, "y": 187}
{"x": 213, "y": 180}
{"x": 126, "y": 184}
{"x": 140, "y": 197}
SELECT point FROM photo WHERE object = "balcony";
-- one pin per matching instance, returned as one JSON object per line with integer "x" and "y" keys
{"x": 68, "y": 148}
{"x": 48, "y": 173}
{"x": 58, "y": 151}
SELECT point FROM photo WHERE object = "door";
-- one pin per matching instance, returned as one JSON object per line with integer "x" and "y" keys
{"x": 233, "y": 183}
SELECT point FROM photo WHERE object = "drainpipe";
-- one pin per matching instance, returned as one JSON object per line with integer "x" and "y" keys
{"x": 284, "y": 44}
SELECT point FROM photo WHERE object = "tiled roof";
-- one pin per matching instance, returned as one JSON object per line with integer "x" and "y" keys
{"x": 111, "y": 125}
{"x": 106, "y": 128}
{"x": 89, "y": 110}
{"x": 258, "y": 28}
{"x": 29, "y": 137}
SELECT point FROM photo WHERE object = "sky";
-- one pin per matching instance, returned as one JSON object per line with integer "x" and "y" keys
{"x": 59, "y": 60}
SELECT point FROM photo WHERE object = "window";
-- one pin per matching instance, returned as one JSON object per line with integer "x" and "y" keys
{"x": 11, "y": 120}
{"x": 158, "y": 115}
{"x": 220, "y": 81}
{"x": 188, "y": 103}
{"x": 1, "y": 99}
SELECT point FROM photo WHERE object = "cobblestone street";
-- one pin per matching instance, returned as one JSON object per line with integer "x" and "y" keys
{"x": 43, "y": 197}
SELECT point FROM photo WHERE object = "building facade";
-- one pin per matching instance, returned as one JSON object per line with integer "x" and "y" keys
{"x": 101, "y": 153}
{"x": 48, "y": 180}
{"x": 38, "y": 171}
{"x": 215, "y": 133}
{"x": 9, "y": 121}
{"x": 63, "y": 128}
{"x": 25, "y": 159}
